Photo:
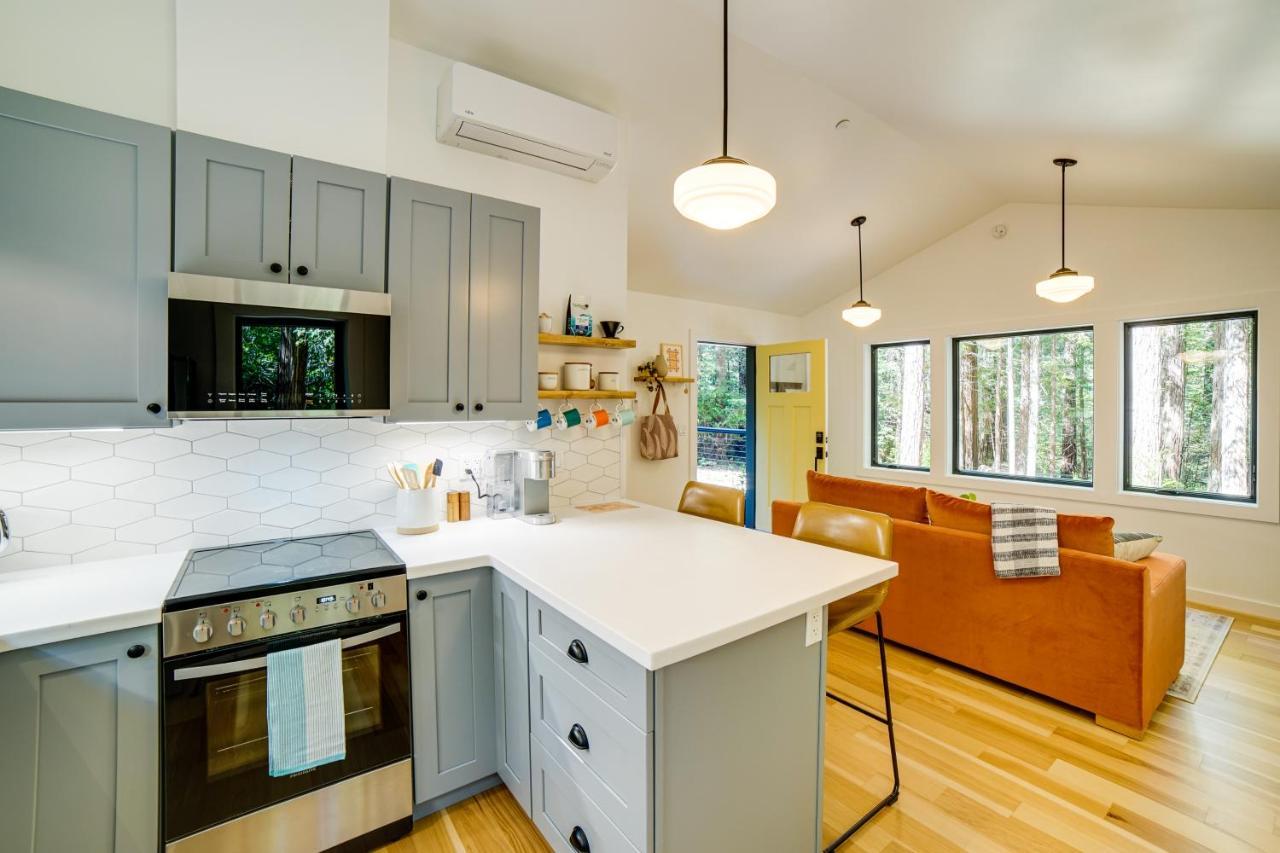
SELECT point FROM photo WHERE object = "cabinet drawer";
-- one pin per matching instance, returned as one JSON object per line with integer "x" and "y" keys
{"x": 604, "y": 754}
{"x": 611, "y": 675}
{"x": 565, "y": 815}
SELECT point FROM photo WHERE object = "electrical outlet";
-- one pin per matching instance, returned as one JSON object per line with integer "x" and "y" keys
{"x": 813, "y": 626}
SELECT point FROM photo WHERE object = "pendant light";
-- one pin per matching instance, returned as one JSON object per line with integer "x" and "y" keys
{"x": 725, "y": 192}
{"x": 860, "y": 313}
{"x": 1065, "y": 285}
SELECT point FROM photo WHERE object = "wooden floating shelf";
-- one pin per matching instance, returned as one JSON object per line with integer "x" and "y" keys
{"x": 675, "y": 380}
{"x": 581, "y": 341}
{"x": 586, "y": 395}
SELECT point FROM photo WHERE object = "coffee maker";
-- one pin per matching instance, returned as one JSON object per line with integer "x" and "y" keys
{"x": 520, "y": 485}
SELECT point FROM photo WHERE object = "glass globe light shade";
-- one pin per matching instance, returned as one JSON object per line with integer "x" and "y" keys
{"x": 725, "y": 193}
{"x": 1065, "y": 285}
{"x": 860, "y": 314}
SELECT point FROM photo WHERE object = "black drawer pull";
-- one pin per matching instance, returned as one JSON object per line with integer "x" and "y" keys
{"x": 136, "y": 652}
{"x": 578, "y": 839}
{"x": 577, "y": 651}
{"x": 303, "y": 270}
{"x": 578, "y": 737}
{"x": 153, "y": 408}
{"x": 458, "y": 407}
{"x": 421, "y": 595}
{"x": 276, "y": 267}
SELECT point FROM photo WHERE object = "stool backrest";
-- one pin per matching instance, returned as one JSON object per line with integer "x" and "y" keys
{"x": 718, "y": 503}
{"x": 844, "y": 527}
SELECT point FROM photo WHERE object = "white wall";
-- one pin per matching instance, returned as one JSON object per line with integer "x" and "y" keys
{"x": 306, "y": 77}
{"x": 115, "y": 57}
{"x": 1148, "y": 263}
{"x": 653, "y": 319}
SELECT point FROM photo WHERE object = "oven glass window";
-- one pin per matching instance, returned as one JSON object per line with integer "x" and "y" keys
{"x": 288, "y": 365}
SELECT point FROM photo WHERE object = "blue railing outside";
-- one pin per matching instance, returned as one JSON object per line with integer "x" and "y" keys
{"x": 722, "y": 456}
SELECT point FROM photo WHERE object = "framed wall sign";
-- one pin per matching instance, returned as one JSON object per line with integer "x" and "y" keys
{"x": 674, "y": 354}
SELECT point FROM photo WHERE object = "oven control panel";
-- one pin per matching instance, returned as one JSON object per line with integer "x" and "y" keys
{"x": 277, "y": 614}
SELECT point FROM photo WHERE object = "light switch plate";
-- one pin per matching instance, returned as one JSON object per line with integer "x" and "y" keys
{"x": 813, "y": 626}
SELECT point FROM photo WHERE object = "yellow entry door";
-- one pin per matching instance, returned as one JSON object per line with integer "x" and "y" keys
{"x": 791, "y": 420}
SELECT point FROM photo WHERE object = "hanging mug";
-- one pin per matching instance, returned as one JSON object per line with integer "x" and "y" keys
{"x": 597, "y": 417}
{"x": 542, "y": 420}
{"x": 623, "y": 416}
{"x": 568, "y": 417}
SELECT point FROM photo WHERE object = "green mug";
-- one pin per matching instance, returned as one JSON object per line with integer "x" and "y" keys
{"x": 568, "y": 418}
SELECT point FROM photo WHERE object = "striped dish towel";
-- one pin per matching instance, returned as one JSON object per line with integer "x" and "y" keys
{"x": 306, "y": 726}
{"x": 1024, "y": 541}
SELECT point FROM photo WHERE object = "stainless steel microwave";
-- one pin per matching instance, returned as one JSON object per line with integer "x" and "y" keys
{"x": 244, "y": 349}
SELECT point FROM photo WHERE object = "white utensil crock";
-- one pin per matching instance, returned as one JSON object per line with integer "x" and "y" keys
{"x": 419, "y": 510}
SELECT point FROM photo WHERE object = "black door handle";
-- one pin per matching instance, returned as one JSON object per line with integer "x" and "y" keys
{"x": 578, "y": 839}
{"x": 578, "y": 737}
{"x": 421, "y": 595}
{"x": 458, "y": 407}
{"x": 153, "y": 408}
{"x": 136, "y": 652}
{"x": 577, "y": 651}
{"x": 276, "y": 267}
{"x": 302, "y": 270}
{"x": 479, "y": 407}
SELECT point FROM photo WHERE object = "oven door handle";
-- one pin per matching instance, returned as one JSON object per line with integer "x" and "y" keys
{"x": 248, "y": 664}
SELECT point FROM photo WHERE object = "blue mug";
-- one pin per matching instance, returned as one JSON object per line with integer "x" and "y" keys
{"x": 542, "y": 420}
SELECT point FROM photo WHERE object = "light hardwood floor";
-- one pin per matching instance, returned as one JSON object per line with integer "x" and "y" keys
{"x": 986, "y": 766}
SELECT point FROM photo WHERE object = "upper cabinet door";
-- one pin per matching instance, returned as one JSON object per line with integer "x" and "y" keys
{"x": 339, "y": 233}
{"x": 504, "y": 310}
{"x": 427, "y": 275}
{"x": 84, "y": 262}
{"x": 230, "y": 209}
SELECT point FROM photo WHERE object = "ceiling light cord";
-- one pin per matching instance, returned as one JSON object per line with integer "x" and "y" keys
{"x": 860, "y": 263}
{"x": 724, "y": 127}
{"x": 1063, "y": 219}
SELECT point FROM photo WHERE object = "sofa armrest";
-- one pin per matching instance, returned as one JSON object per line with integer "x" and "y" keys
{"x": 784, "y": 517}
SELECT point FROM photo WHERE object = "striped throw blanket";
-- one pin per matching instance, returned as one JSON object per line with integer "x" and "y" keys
{"x": 1024, "y": 541}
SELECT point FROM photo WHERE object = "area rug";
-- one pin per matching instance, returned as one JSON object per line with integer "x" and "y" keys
{"x": 1206, "y": 632}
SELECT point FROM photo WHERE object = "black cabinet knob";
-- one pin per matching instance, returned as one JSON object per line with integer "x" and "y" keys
{"x": 276, "y": 267}
{"x": 458, "y": 407}
{"x": 578, "y": 839}
{"x": 479, "y": 407}
{"x": 421, "y": 595}
{"x": 153, "y": 408}
{"x": 302, "y": 270}
{"x": 136, "y": 651}
{"x": 578, "y": 737}
{"x": 577, "y": 651}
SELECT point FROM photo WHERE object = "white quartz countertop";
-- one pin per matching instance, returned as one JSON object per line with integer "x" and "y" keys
{"x": 657, "y": 585}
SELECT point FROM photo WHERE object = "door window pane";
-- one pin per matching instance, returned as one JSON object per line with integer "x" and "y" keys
{"x": 1190, "y": 386}
{"x": 722, "y": 414}
{"x": 900, "y": 405}
{"x": 789, "y": 372}
{"x": 1024, "y": 406}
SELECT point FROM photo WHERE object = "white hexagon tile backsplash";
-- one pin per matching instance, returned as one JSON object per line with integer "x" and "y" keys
{"x": 96, "y": 495}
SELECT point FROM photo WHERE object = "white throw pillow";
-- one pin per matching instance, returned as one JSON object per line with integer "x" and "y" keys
{"x": 1135, "y": 546}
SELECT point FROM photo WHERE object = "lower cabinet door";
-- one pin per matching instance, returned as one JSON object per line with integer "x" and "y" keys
{"x": 569, "y": 819}
{"x": 81, "y": 765}
{"x": 511, "y": 680}
{"x": 451, "y": 661}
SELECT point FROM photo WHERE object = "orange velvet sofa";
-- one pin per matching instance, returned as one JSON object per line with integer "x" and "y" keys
{"x": 1106, "y": 635}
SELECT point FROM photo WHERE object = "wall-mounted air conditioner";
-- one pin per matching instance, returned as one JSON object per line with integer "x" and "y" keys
{"x": 480, "y": 111}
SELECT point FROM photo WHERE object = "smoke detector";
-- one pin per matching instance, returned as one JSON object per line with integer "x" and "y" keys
{"x": 999, "y": 231}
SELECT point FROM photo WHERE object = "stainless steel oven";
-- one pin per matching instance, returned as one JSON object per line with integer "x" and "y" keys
{"x": 242, "y": 348}
{"x": 218, "y": 793}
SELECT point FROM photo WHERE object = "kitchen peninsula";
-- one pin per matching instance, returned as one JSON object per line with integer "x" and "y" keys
{"x": 640, "y": 679}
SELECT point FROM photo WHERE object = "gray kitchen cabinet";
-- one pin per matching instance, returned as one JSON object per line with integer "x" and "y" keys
{"x": 338, "y": 235}
{"x": 451, "y": 659}
{"x": 511, "y": 681}
{"x": 428, "y": 259}
{"x": 503, "y": 363}
{"x": 231, "y": 209}
{"x": 84, "y": 258}
{"x": 81, "y": 767}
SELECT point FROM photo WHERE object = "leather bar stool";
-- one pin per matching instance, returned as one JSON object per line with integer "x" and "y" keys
{"x": 869, "y": 533}
{"x": 718, "y": 503}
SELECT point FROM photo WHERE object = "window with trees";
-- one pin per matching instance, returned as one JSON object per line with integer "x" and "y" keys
{"x": 1023, "y": 406}
{"x": 900, "y": 405}
{"x": 1190, "y": 406}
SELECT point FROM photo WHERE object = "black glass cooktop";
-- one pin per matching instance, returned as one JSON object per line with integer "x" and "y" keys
{"x": 228, "y": 573}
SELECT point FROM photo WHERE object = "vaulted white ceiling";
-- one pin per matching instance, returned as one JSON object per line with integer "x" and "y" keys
{"x": 953, "y": 109}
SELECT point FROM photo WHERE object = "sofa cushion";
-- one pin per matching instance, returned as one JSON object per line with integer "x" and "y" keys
{"x": 901, "y": 502}
{"x": 1088, "y": 533}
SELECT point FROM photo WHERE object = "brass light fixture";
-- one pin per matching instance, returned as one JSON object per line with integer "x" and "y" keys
{"x": 725, "y": 192}
{"x": 1065, "y": 285}
{"x": 860, "y": 313}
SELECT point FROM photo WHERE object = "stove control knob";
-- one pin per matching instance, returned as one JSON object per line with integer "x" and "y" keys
{"x": 267, "y": 620}
{"x": 202, "y": 632}
{"x": 378, "y": 599}
{"x": 235, "y": 626}
{"x": 298, "y": 614}
{"x": 353, "y": 604}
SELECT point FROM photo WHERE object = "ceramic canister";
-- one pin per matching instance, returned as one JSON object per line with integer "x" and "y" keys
{"x": 577, "y": 376}
{"x": 548, "y": 381}
{"x": 607, "y": 380}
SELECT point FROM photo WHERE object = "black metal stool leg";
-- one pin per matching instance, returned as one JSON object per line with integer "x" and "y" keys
{"x": 887, "y": 720}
